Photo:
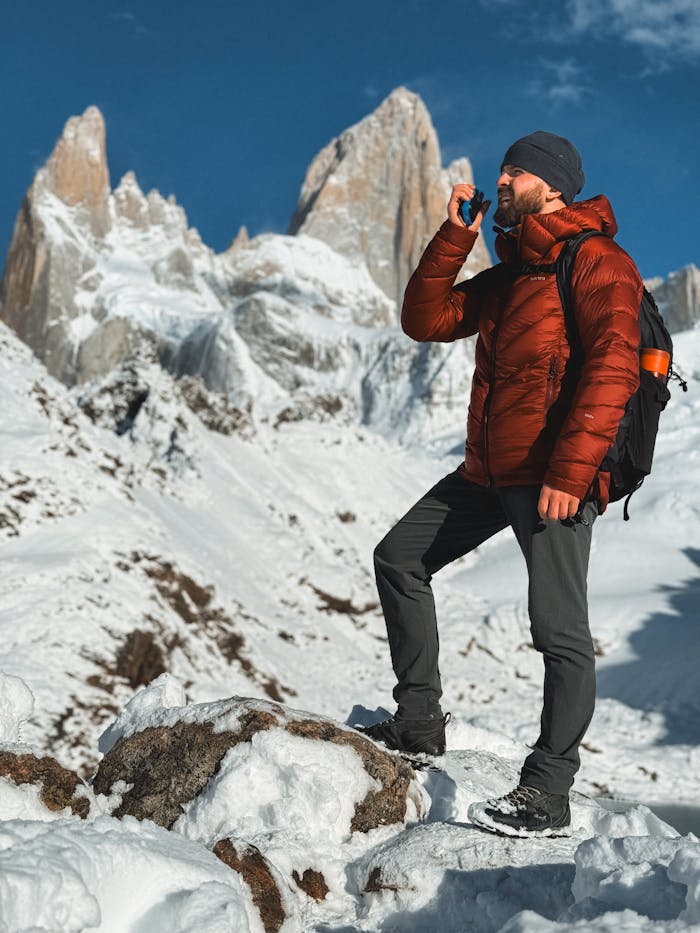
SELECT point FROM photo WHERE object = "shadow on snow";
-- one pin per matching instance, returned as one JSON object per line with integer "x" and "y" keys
{"x": 664, "y": 675}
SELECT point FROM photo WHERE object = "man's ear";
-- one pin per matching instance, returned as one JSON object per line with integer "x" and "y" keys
{"x": 553, "y": 194}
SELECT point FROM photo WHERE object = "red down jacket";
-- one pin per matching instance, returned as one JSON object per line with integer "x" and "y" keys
{"x": 527, "y": 424}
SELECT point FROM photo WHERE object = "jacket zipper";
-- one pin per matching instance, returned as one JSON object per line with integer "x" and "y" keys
{"x": 487, "y": 400}
{"x": 551, "y": 377}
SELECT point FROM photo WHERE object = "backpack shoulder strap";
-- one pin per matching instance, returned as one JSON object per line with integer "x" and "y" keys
{"x": 565, "y": 265}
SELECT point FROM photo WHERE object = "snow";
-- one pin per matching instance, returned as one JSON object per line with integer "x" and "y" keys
{"x": 247, "y": 560}
{"x": 16, "y": 706}
{"x": 23, "y": 802}
{"x": 293, "y": 799}
{"x": 165, "y": 692}
{"x": 115, "y": 875}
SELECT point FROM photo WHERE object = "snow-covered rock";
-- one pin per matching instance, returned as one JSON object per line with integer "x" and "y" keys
{"x": 84, "y": 259}
{"x": 37, "y": 787}
{"x": 213, "y": 771}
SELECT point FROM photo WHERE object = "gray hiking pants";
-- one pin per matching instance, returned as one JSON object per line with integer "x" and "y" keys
{"x": 451, "y": 519}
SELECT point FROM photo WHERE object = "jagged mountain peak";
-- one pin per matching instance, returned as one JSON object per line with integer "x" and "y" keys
{"x": 76, "y": 171}
{"x": 378, "y": 192}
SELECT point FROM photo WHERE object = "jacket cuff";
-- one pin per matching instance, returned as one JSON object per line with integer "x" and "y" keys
{"x": 573, "y": 488}
{"x": 460, "y": 237}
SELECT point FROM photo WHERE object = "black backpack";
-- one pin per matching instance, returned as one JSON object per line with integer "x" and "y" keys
{"x": 629, "y": 458}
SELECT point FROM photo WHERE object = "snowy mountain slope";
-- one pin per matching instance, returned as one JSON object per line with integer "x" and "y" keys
{"x": 245, "y": 564}
{"x": 241, "y": 562}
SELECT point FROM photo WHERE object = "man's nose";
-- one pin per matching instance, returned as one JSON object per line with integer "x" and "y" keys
{"x": 503, "y": 180}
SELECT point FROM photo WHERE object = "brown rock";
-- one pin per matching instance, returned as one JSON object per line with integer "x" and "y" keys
{"x": 58, "y": 784}
{"x": 169, "y": 766}
{"x": 312, "y": 883}
{"x": 255, "y": 870}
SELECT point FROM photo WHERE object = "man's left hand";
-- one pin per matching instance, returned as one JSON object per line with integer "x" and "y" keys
{"x": 554, "y": 504}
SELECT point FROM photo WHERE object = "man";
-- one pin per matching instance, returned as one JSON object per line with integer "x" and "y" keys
{"x": 538, "y": 428}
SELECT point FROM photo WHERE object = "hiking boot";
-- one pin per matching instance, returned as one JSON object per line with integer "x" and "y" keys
{"x": 525, "y": 811}
{"x": 410, "y": 736}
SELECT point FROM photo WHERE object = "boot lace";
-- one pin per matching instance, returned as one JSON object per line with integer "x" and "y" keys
{"x": 521, "y": 796}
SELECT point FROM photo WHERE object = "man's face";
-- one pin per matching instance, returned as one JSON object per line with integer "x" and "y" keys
{"x": 519, "y": 193}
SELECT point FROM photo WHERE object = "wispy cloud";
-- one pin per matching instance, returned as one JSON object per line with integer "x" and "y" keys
{"x": 564, "y": 83}
{"x": 670, "y": 28}
{"x": 130, "y": 19}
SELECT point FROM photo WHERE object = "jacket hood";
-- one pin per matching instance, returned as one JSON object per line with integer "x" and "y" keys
{"x": 536, "y": 239}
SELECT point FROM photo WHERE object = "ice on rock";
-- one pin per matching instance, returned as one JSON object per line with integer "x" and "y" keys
{"x": 16, "y": 706}
{"x": 165, "y": 692}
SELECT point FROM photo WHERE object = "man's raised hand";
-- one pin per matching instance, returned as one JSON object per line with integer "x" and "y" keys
{"x": 460, "y": 193}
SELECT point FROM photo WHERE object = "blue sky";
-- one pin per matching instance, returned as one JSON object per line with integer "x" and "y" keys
{"x": 224, "y": 104}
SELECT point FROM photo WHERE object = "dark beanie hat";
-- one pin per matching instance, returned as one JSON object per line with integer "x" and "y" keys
{"x": 552, "y": 158}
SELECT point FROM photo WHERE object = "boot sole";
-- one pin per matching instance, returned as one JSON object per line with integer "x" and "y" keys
{"x": 419, "y": 761}
{"x": 423, "y": 762}
{"x": 503, "y": 829}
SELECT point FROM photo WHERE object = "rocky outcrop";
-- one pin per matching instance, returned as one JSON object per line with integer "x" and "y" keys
{"x": 280, "y": 795}
{"x": 65, "y": 210}
{"x": 280, "y": 327}
{"x": 166, "y": 767}
{"x": 76, "y": 172}
{"x": 378, "y": 192}
{"x": 678, "y": 297}
{"x": 241, "y": 239}
{"x": 53, "y": 291}
{"x": 308, "y": 336}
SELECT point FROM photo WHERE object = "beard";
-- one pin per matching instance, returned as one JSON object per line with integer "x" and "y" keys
{"x": 511, "y": 212}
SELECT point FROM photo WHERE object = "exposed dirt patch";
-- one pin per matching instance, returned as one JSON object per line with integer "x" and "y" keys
{"x": 214, "y": 410}
{"x": 375, "y": 883}
{"x": 312, "y": 883}
{"x": 318, "y": 408}
{"x": 196, "y": 605}
{"x": 330, "y": 603}
{"x": 257, "y": 874}
{"x": 140, "y": 659}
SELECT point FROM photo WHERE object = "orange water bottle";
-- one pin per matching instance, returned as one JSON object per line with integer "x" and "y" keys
{"x": 655, "y": 361}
